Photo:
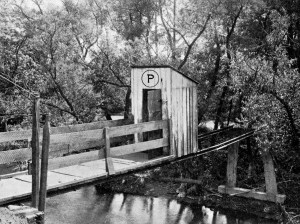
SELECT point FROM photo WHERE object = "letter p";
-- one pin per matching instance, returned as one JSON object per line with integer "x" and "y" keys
{"x": 150, "y": 76}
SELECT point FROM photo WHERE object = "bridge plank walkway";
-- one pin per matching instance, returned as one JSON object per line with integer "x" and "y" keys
{"x": 19, "y": 187}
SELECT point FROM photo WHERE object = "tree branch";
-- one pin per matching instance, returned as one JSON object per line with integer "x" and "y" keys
{"x": 230, "y": 32}
{"x": 112, "y": 70}
{"x": 59, "y": 108}
{"x": 165, "y": 26}
{"x": 190, "y": 46}
{"x": 113, "y": 83}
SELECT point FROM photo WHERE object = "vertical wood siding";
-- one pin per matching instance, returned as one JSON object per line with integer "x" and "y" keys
{"x": 179, "y": 103}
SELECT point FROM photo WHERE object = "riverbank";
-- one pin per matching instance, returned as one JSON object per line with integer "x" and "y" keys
{"x": 143, "y": 184}
{"x": 153, "y": 183}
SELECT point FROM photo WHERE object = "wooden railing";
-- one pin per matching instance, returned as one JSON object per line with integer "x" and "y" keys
{"x": 64, "y": 140}
{"x": 77, "y": 138}
{"x": 135, "y": 147}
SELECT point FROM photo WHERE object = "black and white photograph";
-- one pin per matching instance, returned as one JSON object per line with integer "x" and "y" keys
{"x": 149, "y": 111}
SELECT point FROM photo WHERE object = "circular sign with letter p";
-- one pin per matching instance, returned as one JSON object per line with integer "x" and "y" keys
{"x": 150, "y": 78}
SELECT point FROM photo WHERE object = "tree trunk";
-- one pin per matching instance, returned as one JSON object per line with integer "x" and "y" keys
{"x": 294, "y": 130}
{"x": 229, "y": 113}
{"x": 127, "y": 104}
{"x": 220, "y": 107}
{"x": 213, "y": 82}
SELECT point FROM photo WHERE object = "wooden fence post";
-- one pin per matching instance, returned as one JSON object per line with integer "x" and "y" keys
{"x": 44, "y": 164}
{"x": 108, "y": 161}
{"x": 232, "y": 159}
{"x": 35, "y": 151}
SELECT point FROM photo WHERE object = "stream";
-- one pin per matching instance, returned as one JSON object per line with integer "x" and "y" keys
{"x": 85, "y": 206}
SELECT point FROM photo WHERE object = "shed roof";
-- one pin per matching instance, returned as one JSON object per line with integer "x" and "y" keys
{"x": 164, "y": 66}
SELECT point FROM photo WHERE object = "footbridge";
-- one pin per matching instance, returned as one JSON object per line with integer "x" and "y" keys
{"x": 71, "y": 165}
{"x": 163, "y": 130}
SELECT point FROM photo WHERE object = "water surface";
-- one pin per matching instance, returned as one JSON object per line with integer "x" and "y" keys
{"x": 87, "y": 206}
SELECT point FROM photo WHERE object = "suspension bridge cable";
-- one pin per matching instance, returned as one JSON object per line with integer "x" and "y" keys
{"x": 12, "y": 82}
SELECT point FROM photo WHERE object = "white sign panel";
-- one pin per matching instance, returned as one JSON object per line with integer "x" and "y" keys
{"x": 150, "y": 78}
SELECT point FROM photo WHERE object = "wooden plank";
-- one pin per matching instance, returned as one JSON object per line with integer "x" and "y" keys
{"x": 177, "y": 114}
{"x": 125, "y": 161}
{"x": 35, "y": 166}
{"x": 57, "y": 149}
{"x": 55, "y": 179}
{"x": 164, "y": 96}
{"x": 278, "y": 198}
{"x": 17, "y": 155}
{"x": 192, "y": 118}
{"x": 195, "y": 119}
{"x": 76, "y": 182}
{"x": 96, "y": 164}
{"x": 188, "y": 120}
{"x": 26, "y": 134}
{"x": 44, "y": 165}
{"x": 180, "y": 116}
{"x": 171, "y": 137}
{"x": 184, "y": 121}
{"x": 10, "y": 175}
{"x": 172, "y": 112}
{"x": 108, "y": 161}
{"x": 77, "y": 136}
{"x": 15, "y": 135}
{"x": 80, "y": 171}
{"x": 90, "y": 126}
{"x": 232, "y": 158}
{"x": 137, "y": 128}
{"x": 139, "y": 147}
{"x": 12, "y": 189}
{"x": 139, "y": 95}
{"x": 191, "y": 106}
{"x": 134, "y": 104}
{"x": 70, "y": 160}
{"x": 122, "y": 166}
{"x": 169, "y": 83}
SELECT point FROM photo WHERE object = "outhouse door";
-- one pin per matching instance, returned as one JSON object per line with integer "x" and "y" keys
{"x": 152, "y": 105}
{"x": 152, "y": 111}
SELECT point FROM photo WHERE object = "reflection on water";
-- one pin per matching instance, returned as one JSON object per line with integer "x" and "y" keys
{"x": 86, "y": 206}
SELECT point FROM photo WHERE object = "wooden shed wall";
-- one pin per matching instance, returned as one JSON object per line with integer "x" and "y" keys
{"x": 184, "y": 114}
{"x": 179, "y": 103}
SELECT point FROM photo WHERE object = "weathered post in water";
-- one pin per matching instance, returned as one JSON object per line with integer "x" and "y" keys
{"x": 44, "y": 164}
{"x": 35, "y": 151}
{"x": 232, "y": 158}
{"x": 270, "y": 176}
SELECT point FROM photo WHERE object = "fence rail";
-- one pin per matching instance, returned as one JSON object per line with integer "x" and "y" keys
{"x": 68, "y": 139}
{"x": 64, "y": 140}
{"x": 64, "y": 130}
{"x": 135, "y": 147}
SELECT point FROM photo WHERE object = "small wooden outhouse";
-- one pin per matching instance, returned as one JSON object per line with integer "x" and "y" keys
{"x": 162, "y": 92}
